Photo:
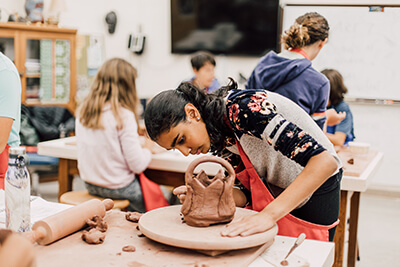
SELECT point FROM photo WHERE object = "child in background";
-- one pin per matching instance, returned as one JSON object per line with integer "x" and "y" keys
{"x": 291, "y": 74}
{"x": 110, "y": 156}
{"x": 203, "y": 64}
{"x": 343, "y": 132}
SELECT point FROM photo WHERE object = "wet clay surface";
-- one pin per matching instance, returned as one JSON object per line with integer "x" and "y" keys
{"x": 71, "y": 251}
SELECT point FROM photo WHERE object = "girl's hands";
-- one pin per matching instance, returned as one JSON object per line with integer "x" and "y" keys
{"x": 180, "y": 192}
{"x": 249, "y": 225}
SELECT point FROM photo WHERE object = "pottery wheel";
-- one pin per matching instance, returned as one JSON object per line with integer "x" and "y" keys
{"x": 165, "y": 225}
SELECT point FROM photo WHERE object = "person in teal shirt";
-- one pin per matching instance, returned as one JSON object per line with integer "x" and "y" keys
{"x": 10, "y": 111}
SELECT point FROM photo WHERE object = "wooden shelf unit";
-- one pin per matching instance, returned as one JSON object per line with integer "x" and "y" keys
{"x": 21, "y": 36}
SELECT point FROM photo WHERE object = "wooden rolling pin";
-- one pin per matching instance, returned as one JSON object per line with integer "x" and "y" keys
{"x": 68, "y": 221}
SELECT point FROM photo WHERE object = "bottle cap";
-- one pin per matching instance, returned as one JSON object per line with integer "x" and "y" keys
{"x": 17, "y": 150}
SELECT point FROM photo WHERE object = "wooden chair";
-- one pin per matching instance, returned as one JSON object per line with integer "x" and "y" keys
{"x": 77, "y": 197}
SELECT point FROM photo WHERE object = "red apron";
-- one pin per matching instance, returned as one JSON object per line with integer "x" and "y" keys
{"x": 152, "y": 194}
{"x": 261, "y": 197}
{"x": 3, "y": 165}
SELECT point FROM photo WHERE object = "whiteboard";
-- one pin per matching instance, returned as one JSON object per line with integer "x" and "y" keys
{"x": 363, "y": 46}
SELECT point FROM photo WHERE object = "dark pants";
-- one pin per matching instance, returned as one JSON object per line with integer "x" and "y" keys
{"x": 324, "y": 205}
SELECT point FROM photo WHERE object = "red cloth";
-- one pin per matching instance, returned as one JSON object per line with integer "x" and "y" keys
{"x": 3, "y": 165}
{"x": 261, "y": 197}
{"x": 152, "y": 194}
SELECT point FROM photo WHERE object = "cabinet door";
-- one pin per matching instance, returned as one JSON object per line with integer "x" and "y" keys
{"x": 7, "y": 47}
{"x": 47, "y": 71}
{"x": 32, "y": 71}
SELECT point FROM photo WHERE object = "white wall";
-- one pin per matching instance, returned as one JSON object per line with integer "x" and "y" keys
{"x": 159, "y": 69}
{"x": 11, "y": 6}
{"x": 378, "y": 125}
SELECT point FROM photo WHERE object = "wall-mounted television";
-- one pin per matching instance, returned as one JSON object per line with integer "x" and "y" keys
{"x": 229, "y": 27}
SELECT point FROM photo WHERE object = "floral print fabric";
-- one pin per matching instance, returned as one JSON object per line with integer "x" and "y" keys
{"x": 250, "y": 112}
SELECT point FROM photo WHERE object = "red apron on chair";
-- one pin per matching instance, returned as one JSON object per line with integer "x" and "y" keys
{"x": 3, "y": 165}
{"x": 261, "y": 197}
{"x": 152, "y": 194}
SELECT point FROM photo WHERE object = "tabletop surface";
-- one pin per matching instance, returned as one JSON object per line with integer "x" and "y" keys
{"x": 173, "y": 160}
{"x": 316, "y": 253}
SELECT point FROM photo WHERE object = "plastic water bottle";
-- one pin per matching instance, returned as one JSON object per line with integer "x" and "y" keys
{"x": 17, "y": 191}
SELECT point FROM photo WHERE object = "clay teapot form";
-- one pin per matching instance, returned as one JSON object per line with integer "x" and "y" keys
{"x": 209, "y": 201}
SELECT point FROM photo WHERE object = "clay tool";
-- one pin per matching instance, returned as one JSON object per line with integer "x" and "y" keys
{"x": 299, "y": 240}
{"x": 67, "y": 222}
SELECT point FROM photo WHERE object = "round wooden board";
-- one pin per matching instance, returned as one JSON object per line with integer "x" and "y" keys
{"x": 164, "y": 225}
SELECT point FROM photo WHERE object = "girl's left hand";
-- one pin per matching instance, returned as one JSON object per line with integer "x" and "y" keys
{"x": 249, "y": 225}
{"x": 180, "y": 192}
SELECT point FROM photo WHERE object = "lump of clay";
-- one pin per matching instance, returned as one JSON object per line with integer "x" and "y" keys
{"x": 93, "y": 236}
{"x": 98, "y": 223}
{"x": 95, "y": 233}
{"x": 209, "y": 201}
{"x": 133, "y": 216}
{"x": 129, "y": 248}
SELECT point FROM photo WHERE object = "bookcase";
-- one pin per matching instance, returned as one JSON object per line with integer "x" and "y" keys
{"x": 45, "y": 58}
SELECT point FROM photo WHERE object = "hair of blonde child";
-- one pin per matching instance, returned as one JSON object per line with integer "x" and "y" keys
{"x": 114, "y": 83}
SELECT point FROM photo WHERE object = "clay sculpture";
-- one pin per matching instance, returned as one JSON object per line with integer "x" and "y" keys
{"x": 208, "y": 201}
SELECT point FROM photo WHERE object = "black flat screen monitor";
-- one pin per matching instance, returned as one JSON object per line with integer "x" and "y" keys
{"x": 230, "y": 27}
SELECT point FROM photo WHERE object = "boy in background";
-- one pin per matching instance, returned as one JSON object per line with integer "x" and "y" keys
{"x": 203, "y": 64}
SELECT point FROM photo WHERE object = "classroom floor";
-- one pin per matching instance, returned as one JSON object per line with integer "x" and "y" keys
{"x": 378, "y": 228}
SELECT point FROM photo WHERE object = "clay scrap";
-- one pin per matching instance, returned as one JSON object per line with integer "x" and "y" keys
{"x": 93, "y": 236}
{"x": 98, "y": 223}
{"x": 95, "y": 233}
{"x": 129, "y": 248}
{"x": 133, "y": 216}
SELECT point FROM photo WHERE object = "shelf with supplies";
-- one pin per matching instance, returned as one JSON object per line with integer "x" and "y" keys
{"x": 45, "y": 58}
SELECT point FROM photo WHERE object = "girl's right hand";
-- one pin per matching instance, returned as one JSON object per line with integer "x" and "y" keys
{"x": 180, "y": 192}
{"x": 333, "y": 117}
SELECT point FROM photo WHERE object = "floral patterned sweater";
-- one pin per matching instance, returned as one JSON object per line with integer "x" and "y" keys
{"x": 276, "y": 134}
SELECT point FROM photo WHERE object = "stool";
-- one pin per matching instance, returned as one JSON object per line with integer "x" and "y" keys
{"x": 77, "y": 197}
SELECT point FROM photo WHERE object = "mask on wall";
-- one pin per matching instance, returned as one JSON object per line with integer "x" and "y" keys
{"x": 111, "y": 19}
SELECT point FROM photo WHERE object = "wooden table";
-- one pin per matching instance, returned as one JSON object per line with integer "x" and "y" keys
{"x": 358, "y": 169}
{"x": 64, "y": 252}
{"x": 168, "y": 169}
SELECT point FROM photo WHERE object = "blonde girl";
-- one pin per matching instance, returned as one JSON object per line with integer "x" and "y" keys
{"x": 110, "y": 156}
